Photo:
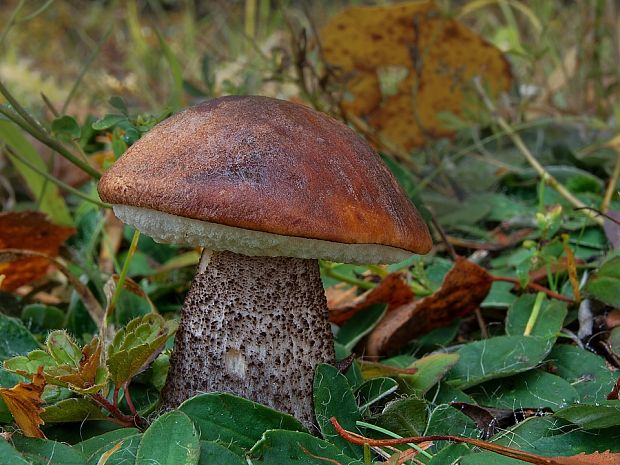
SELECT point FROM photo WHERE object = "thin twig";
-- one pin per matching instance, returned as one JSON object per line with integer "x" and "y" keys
{"x": 444, "y": 237}
{"x": 42, "y": 136}
{"x": 544, "y": 174}
{"x": 360, "y": 440}
{"x": 535, "y": 287}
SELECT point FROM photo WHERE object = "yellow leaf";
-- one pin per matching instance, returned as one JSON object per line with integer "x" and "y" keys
{"x": 24, "y": 403}
{"x": 402, "y": 65}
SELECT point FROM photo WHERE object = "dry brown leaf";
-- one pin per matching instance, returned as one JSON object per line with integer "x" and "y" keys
{"x": 403, "y": 64}
{"x": 28, "y": 231}
{"x": 24, "y": 403}
{"x": 392, "y": 290}
{"x": 463, "y": 289}
{"x": 340, "y": 295}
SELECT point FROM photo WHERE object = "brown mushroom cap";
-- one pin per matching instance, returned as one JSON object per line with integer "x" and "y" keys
{"x": 264, "y": 165}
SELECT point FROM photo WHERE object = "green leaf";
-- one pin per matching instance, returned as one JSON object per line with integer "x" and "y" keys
{"x": 437, "y": 338}
{"x": 550, "y": 435}
{"x": 212, "y": 452}
{"x": 63, "y": 349}
{"x": 67, "y": 366}
{"x": 497, "y": 357}
{"x": 360, "y": 325}
{"x": 333, "y": 398}
{"x": 431, "y": 369}
{"x": 549, "y": 321}
{"x": 42, "y": 318}
{"x": 449, "y": 455}
{"x": 47, "y": 195}
{"x": 67, "y": 128}
{"x": 46, "y": 452}
{"x": 500, "y": 296}
{"x": 592, "y": 416}
{"x": 279, "y": 447}
{"x": 10, "y": 456}
{"x": 16, "y": 339}
{"x": 406, "y": 416}
{"x": 172, "y": 438}
{"x": 136, "y": 345}
{"x": 71, "y": 410}
{"x": 118, "y": 103}
{"x": 604, "y": 285}
{"x": 232, "y": 419}
{"x": 108, "y": 121}
{"x": 374, "y": 390}
{"x": 445, "y": 419}
{"x": 96, "y": 446}
{"x": 28, "y": 364}
{"x": 586, "y": 372}
{"x": 533, "y": 389}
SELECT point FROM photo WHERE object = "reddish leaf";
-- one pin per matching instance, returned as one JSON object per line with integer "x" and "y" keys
{"x": 28, "y": 231}
{"x": 463, "y": 289}
{"x": 24, "y": 403}
{"x": 615, "y": 392}
{"x": 392, "y": 290}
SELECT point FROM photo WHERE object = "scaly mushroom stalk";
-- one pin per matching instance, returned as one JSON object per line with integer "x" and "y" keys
{"x": 253, "y": 326}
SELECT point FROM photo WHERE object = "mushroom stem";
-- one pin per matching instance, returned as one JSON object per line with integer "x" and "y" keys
{"x": 253, "y": 326}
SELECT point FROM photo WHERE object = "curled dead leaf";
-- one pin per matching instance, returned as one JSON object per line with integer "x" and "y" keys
{"x": 24, "y": 403}
{"x": 465, "y": 286}
{"x": 28, "y": 231}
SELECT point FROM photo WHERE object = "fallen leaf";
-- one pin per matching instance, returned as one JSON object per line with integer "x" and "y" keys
{"x": 392, "y": 290}
{"x": 465, "y": 286}
{"x": 340, "y": 295}
{"x": 24, "y": 403}
{"x": 28, "y": 231}
{"x": 402, "y": 65}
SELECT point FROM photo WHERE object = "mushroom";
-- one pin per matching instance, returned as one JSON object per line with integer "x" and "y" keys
{"x": 266, "y": 186}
